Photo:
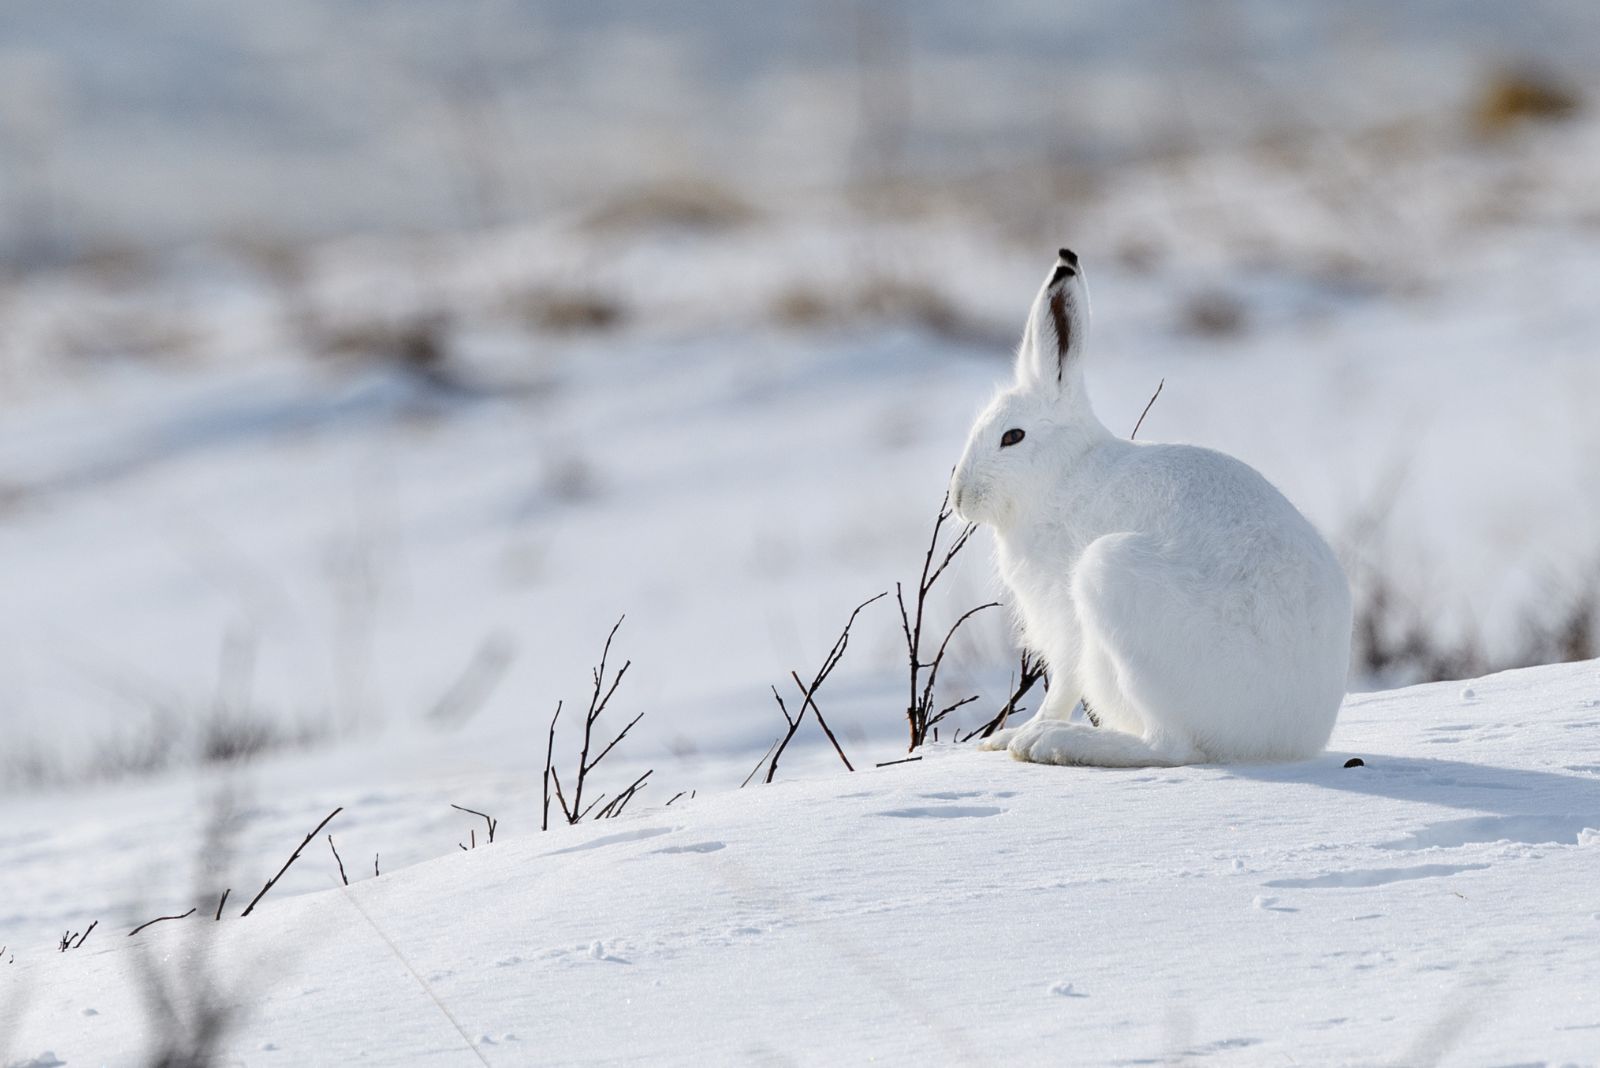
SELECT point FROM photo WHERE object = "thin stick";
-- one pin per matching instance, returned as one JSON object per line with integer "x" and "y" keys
{"x": 902, "y": 760}
{"x": 1031, "y": 670}
{"x": 549, "y": 755}
{"x": 292, "y": 858}
{"x": 760, "y": 762}
{"x": 223, "y": 902}
{"x": 829, "y": 662}
{"x": 374, "y": 865}
{"x": 490, "y": 820}
{"x": 675, "y": 796}
{"x": 85, "y": 934}
{"x": 618, "y": 803}
{"x": 1147, "y": 408}
{"x": 919, "y": 703}
{"x": 561, "y": 798}
{"x": 811, "y": 703}
{"x": 159, "y": 919}
{"x": 947, "y": 709}
{"x": 620, "y": 736}
{"x": 597, "y": 705}
{"x": 336, "y": 857}
{"x": 926, "y": 704}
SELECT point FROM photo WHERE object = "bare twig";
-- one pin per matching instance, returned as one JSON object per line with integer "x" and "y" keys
{"x": 490, "y": 820}
{"x": 561, "y": 798}
{"x": 342, "y": 877}
{"x": 809, "y": 692}
{"x": 549, "y": 768}
{"x": 374, "y": 865}
{"x": 85, "y": 934}
{"x": 926, "y": 703}
{"x": 619, "y": 737}
{"x": 159, "y": 919}
{"x": 597, "y": 705}
{"x": 222, "y": 902}
{"x": 675, "y": 796}
{"x": 1147, "y": 408}
{"x": 599, "y": 699}
{"x": 920, "y": 715}
{"x": 902, "y": 760}
{"x": 615, "y": 806}
{"x": 591, "y": 807}
{"x": 1030, "y": 670}
{"x": 292, "y": 858}
{"x": 765, "y": 755}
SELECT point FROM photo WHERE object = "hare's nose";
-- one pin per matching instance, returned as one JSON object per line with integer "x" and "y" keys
{"x": 1069, "y": 257}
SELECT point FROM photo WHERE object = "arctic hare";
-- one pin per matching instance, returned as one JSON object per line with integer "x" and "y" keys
{"x": 1172, "y": 588}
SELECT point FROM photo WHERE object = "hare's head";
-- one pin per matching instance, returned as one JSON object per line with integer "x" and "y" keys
{"x": 1030, "y": 430}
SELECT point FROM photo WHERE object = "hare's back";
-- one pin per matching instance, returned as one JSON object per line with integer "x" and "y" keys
{"x": 1215, "y": 501}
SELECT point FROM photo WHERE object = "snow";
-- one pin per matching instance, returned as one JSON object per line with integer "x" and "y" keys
{"x": 1434, "y": 906}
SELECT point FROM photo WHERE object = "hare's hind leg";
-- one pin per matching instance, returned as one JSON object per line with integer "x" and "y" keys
{"x": 1121, "y": 590}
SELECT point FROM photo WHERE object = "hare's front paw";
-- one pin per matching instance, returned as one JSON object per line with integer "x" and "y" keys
{"x": 1000, "y": 739}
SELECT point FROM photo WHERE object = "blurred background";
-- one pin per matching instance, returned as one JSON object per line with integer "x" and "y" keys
{"x": 361, "y": 363}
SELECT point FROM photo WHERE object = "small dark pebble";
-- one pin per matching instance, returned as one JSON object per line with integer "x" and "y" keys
{"x": 1355, "y": 762}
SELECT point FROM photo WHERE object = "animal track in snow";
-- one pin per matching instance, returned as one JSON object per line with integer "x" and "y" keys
{"x": 614, "y": 839}
{"x": 943, "y": 812}
{"x": 1531, "y": 830}
{"x": 693, "y": 847}
{"x": 1372, "y": 876}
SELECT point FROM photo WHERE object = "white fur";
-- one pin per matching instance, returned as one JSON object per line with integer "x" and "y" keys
{"x": 1171, "y": 587}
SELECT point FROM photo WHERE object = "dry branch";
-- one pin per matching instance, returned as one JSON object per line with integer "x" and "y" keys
{"x": 615, "y": 806}
{"x": 1030, "y": 669}
{"x": 490, "y": 820}
{"x": 1150, "y": 404}
{"x": 920, "y": 715}
{"x": 292, "y": 858}
{"x": 160, "y": 919}
{"x": 600, "y": 697}
{"x": 770, "y": 748}
{"x": 549, "y": 768}
{"x": 808, "y": 695}
{"x": 342, "y": 877}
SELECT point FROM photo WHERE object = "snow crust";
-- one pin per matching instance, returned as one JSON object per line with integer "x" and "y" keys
{"x": 1437, "y": 905}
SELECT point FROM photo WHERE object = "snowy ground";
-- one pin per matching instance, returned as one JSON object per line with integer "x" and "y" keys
{"x": 1436, "y": 906}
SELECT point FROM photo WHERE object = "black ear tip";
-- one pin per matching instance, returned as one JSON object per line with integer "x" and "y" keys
{"x": 1068, "y": 257}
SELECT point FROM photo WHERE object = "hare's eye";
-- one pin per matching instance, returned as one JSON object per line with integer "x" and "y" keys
{"x": 1011, "y": 437}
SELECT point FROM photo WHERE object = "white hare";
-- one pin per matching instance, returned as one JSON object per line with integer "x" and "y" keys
{"x": 1193, "y": 609}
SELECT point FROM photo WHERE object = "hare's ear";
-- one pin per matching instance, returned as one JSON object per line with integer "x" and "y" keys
{"x": 1057, "y": 327}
